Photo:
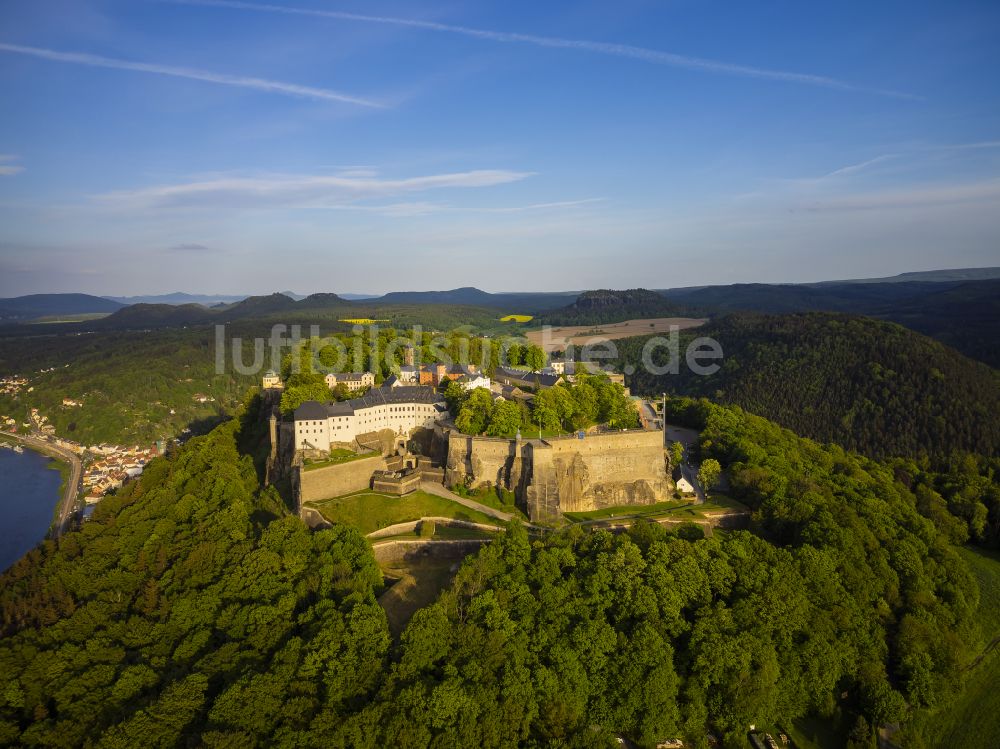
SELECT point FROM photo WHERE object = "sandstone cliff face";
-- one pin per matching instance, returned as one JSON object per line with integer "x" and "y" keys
{"x": 475, "y": 461}
{"x": 603, "y": 470}
{"x": 565, "y": 474}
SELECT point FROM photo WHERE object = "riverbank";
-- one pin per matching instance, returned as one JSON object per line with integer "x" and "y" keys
{"x": 71, "y": 473}
{"x": 29, "y": 496}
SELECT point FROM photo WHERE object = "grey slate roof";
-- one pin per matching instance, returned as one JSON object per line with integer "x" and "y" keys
{"x": 528, "y": 379}
{"x": 310, "y": 411}
{"x": 407, "y": 394}
{"x": 374, "y": 397}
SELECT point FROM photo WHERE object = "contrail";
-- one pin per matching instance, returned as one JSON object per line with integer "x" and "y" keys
{"x": 258, "y": 84}
{"x": 617, "y": 50}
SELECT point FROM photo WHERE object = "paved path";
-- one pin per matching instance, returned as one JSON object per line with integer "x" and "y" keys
{"x": 437, "y": 489}
{"x": 648, "y": 416}
{"x": 72, "y": 484}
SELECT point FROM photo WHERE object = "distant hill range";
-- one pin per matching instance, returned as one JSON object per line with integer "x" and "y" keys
{"x": 928, "y": 276}
{"x": 960, "y": 307}
{"x": 963, "y": 314}
{"x": 34, "y": 306}
{"x": 180, "y": 297}
{"x": 167, "y": 315}
{"x": 512, "y": 303}
{"x": 607, "y": 306}
{"x": 868, "y": 385}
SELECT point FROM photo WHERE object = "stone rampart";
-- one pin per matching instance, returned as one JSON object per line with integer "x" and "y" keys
{"x": 565, "y": 474}
{"x": 337, "y": 479}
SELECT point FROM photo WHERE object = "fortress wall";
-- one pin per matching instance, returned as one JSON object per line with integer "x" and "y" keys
{"x": 342, "y": 478}
{"x": 602, "y": 470}
{"x": 565, "y": 474}
{"x": 485, "y": 459}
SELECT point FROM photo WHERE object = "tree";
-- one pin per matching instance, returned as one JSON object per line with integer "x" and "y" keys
{"x": 676, "y": 453}
{"x": 505, "y": 419}
{"x": 534, "y": 358}
{"x": 302, "y": 387}
{"x": 474, "y": 415}
{"x": 708, "y": 474}
{"x": 455, "y": 396}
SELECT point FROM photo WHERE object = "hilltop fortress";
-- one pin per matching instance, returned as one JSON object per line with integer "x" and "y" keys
{"x": 564, "y": 474}
{"x": 548, "y": 476}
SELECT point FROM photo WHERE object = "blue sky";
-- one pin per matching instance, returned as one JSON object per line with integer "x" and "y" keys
{"x": 314, "y": 145}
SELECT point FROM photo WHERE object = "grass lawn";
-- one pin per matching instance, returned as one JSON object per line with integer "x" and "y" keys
{"x": 817, "y": 733}
{"x": 339, "y": 455}
{"x": 972, "y": 721}
{"x": 680, "y": 508}
{"x": 624, "y": 512}
{"x": 718, "y": 502}
{"x": 368, "y": 511}
{"x": 490, "y": 499}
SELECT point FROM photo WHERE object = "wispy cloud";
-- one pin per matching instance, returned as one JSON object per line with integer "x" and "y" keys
{"x": 913, "y": 197}
{"x": 189, "y": 247}
{"x": 397, "y": 210}
{"x": 643, "y": 54}
{"x": 854, "y": 168}
{"x": 256, "y": 84}
{"x": 7, "y": 169}
{"x": 545, "y": 206}
{"x": 298, "y": 190}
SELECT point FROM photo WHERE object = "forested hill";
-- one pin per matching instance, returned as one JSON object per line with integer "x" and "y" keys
{"x": 868, "y": 385}
{"x": 607, "y": 306}
{"x": 193, "y": 611}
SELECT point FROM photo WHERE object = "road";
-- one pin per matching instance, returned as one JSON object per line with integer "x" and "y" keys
{"x": 68, "y": 502}
{"x": 688, "y": 438}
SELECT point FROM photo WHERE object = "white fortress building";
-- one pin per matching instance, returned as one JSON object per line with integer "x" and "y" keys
{"x": 401, "y": 409}
{"x": 351, "y": 380}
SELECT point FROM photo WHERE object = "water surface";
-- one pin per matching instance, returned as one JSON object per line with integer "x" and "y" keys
{"x": 29, "y": 493}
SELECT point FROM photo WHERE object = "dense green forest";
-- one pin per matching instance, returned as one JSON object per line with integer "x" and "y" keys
{"x": 135, "y": 387}
{"x": 193, "y": 610}
{"x": 190, "y": 609}
{"x": 961, "y": 313}
{"x": 607, "y": 306}
{"x": 870, "y": 386}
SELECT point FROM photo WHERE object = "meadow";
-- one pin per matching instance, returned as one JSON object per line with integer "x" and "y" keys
{"x": 970, "y": 721}
{"x": 517, "y": 318}
{"x": 368, "y": 511}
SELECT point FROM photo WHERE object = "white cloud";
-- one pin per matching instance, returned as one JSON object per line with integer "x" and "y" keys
{"x": 425, "y": 208}
{"x": 298, "y": 190}
{"x": 9, "y": 170}
{"x": 605, "y": 48}
{"x": 853, "y": 168}
{"x": 257, "y": 84}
